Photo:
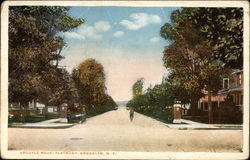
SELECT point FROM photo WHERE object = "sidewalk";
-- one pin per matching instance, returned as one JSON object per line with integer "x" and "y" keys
{"x": 52, "y": 123}
{"x": 202, "y": 126}
{"x": 192, "y": 125}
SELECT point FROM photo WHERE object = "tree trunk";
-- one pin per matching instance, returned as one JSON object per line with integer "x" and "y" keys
{"x": 210, "y": 110}
{"x": 219, "y": 109}
{"x": 46, "y": 111}
{"x": 26, "y": 111}
{"x": 22, "y": 113}
{"x": 193, "y": 107}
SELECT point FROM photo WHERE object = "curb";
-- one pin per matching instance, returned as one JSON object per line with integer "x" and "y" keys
{"x": 190, "y": 128}
{"x": 42, "y": 127}
{"x": 160, "y": 122}
{"x": 208, "y": 128}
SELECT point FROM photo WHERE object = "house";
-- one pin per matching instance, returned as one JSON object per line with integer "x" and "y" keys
{"x": 232, "y": 86}
{"x": 15, "y": 108}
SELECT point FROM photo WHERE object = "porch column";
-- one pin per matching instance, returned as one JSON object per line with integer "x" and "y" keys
{"x": 218, "y": 101}
{"x": 63, "y": 112}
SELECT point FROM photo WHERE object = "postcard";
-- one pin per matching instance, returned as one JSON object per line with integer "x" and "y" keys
{"x": 125, "y": 80}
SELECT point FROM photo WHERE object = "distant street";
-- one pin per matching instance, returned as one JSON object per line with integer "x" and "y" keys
{"x": 113, "y": 131}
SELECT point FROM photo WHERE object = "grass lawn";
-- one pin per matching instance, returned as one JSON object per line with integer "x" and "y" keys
{"x": 33, "y": 118}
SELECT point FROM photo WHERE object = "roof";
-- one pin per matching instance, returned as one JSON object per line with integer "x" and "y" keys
{"x": 223, "y": 91}
{"x": 237, "y": 71}
{"x": 239, "y": 88}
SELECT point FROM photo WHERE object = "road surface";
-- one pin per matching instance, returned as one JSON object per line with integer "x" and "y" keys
{"x": 113, "y": 131}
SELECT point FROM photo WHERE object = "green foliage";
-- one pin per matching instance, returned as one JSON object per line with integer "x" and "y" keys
{"x": 67, "y": 22}
{"x": 137, "y": 87}
{"x": 221, "y": 28}
{"x": 229, "y": 113}
{"x": 154, "y": 102}
{"x": 89, "y": 78}
{"x": 31, "y": 118}
{"x": 107, "y": 106}
{"x": 56, "y": 87}
{"x": 180, "y": 93}
{"x": 34, "y": 53}
{"x": 160, "y": 95}
{"x": 193, "y": 56}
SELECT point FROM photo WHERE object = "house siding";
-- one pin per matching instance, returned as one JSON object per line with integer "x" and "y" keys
{"x": 234, "y": 89}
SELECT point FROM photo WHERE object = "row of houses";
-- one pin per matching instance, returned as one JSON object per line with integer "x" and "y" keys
{"x": 34, "y": 105}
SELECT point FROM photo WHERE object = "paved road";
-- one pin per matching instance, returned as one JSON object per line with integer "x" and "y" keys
{"x": 113, "y": 131}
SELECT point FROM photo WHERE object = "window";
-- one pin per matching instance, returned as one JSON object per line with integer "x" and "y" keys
{"x": 205, "y": 106}
{"x": 199, "y": 105}
{"x": 225, "y": 83}
{"x": 238, "y": 99}
{"x": 55, "y": 109}
{"x": 214, "y": 105}
{"x": 241, "y": 99}
{"x": 240, "y": 79}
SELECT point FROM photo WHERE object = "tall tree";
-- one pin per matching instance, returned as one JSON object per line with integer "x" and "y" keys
{"x": 192, "y": 56}
{"x": 221, "y": 28}
{"x": 34, "y": 50}
{"x": 89, "y": 78}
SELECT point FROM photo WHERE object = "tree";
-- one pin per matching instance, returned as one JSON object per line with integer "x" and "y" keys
{"x": 194, "y": 72}
{"x": 221, "y": 28}
{"x": 184, "y": 94}
{"x": 160, "y": 95}
{"x": 34, "y": 51}
{"x": 137, "y": 87}
{"x": 154, "y": 102}
{"x": 89, "y": 78}
{"x": 193, "y": 57}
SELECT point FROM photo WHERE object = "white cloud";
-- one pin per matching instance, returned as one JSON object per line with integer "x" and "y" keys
{"x": 74, "y": 35}
{"x": 90, "y": 32}
{"x": 154, "y": 39}
{"x": 102, "y": 26}
{"x": 118, "y": 34}
{"x": 140, "y": 20}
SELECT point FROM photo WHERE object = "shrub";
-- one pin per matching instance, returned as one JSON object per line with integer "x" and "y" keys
{"x": 107, "y": 106}
{"x": 230, "y": 113}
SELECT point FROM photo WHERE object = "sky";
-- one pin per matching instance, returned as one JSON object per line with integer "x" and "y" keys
{"x": 125, "y": 40}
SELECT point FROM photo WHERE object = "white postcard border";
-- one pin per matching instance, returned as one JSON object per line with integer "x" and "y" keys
{"x": 122, "y": 155}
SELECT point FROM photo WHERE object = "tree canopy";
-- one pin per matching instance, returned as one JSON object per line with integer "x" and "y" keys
{"x": 137, "y": 87}
{"x": 204, "y": 45}
{"x": 89, "y": 78}
{"x": 220, "y": 28}
{"x": 35, "y": 47}
{"x": 154, "y": 101}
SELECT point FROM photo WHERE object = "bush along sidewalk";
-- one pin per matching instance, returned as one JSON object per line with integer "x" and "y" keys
{"x": 161, "y": 114}
{"x": 31, "y": 118}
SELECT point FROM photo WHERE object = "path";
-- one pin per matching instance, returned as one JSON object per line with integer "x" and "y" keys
{"x": 114, "y": 131}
